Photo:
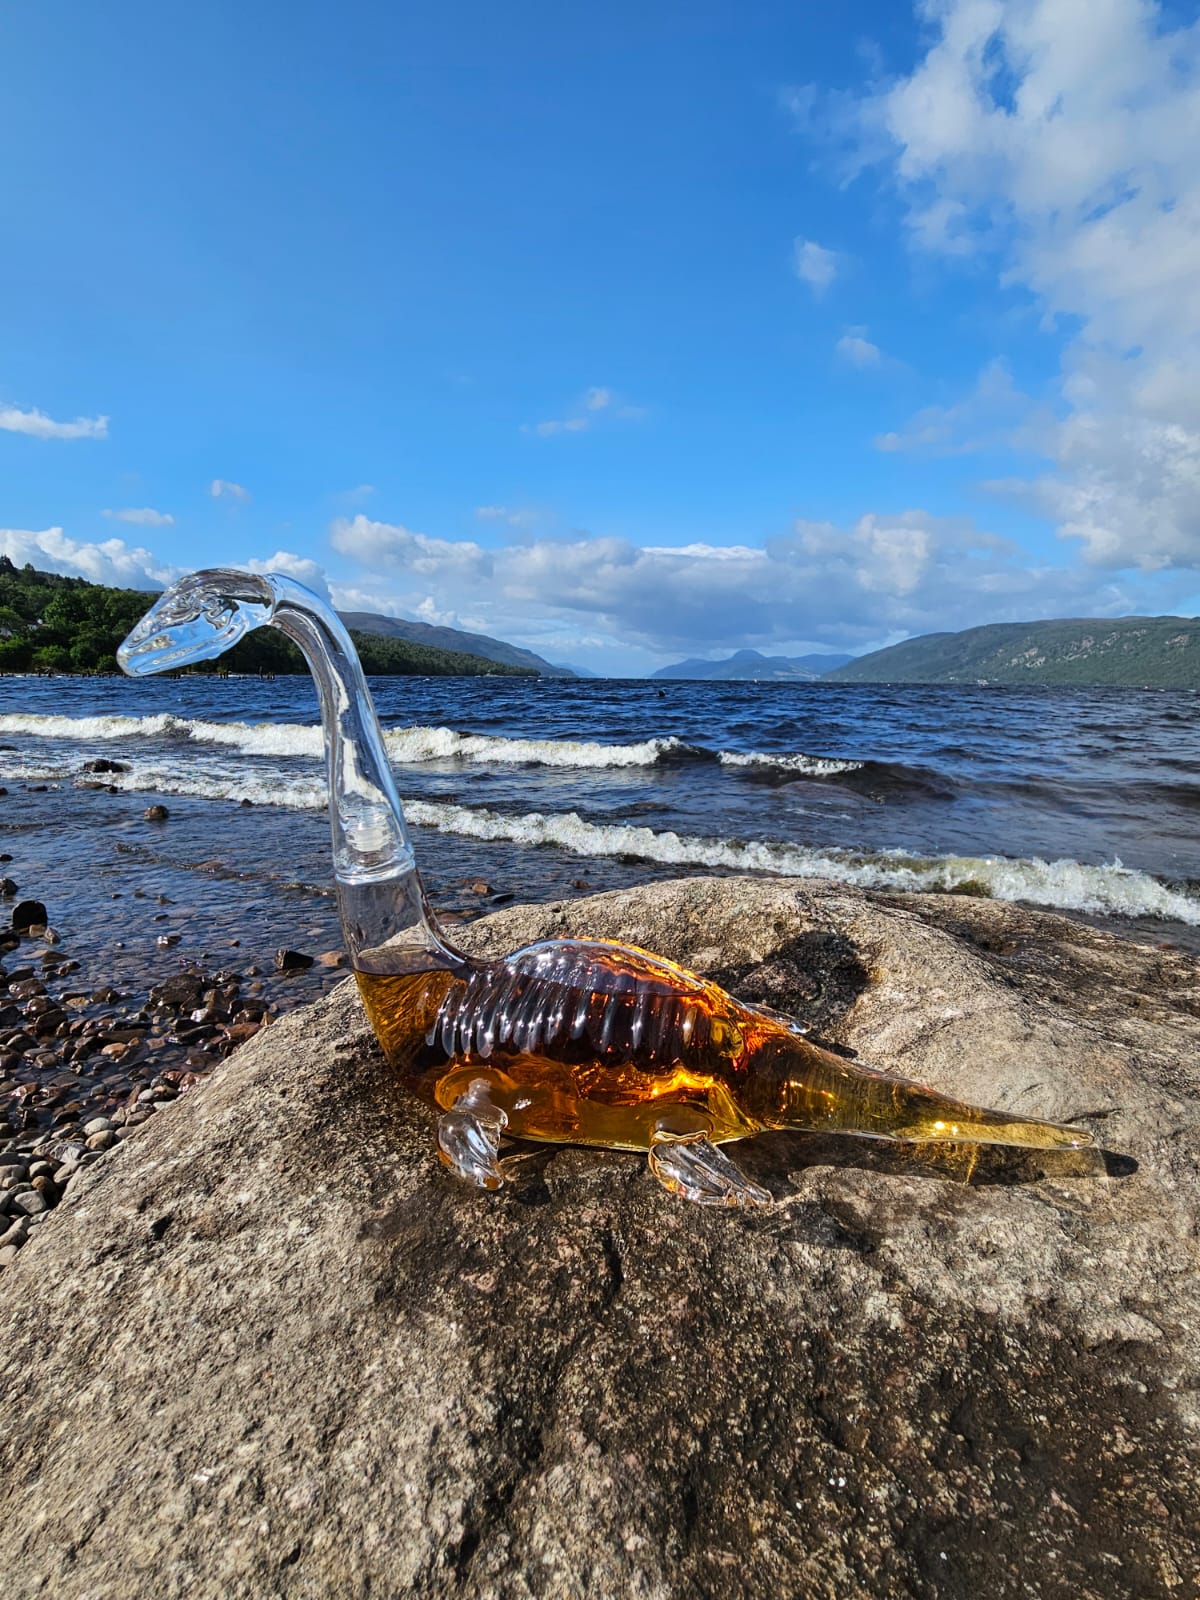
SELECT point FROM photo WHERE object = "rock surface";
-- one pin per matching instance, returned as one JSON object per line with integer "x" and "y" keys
{"x": 269, "y": 1347}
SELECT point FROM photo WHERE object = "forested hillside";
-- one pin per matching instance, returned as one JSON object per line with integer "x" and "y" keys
{"x": 1125, "y": 652}
{"x": 49, "y": 623}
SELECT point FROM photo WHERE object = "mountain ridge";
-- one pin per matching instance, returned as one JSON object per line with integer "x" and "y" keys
{"x": 435, "y": 636}
{"x": 749, "y": 665}
{"x": 1121, "y": 652}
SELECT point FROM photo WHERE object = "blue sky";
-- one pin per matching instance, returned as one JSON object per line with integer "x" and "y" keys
{"x": 623, "y": 333}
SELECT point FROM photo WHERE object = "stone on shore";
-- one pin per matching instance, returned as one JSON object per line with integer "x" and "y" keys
{"x": 268, "y": 1346}
{"x": 27, "y": 914}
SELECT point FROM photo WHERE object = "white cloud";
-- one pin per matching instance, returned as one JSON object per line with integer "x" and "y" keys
{"x": 1056, "y": 142}
{"x": 310, "y": 573}
{"x": 391, "y": 545}
{"x": 815, "y": 266}
{"x": 553, "y": 425}
{"x": 994, "y": 413}
{"x": 429, "y": 611}
{"x": 39, "y": 426}
{"x": 584, "y": 413}
{"x": 142, "y": 516}
{"x": 110, "y": 561}
{"x": 358, "y": 496}
{"x": 222, "y": 489}
{"x": 514, "y": 516}
{"x": 857, "y": 349}
{"x": 879, "y": 577}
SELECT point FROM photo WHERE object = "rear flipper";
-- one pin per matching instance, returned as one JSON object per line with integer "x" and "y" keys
{"x": 469, "y": 1136}
{"x": 689, "y": 1165}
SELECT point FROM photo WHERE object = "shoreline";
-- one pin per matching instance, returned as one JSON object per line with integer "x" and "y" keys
{"x": 84, "y": 1063}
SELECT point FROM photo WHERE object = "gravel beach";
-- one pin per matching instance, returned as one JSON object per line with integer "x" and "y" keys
{"x": 84, "y": 1063}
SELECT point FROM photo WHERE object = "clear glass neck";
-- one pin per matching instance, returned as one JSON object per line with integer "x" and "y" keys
{"x": 380, "y": 895}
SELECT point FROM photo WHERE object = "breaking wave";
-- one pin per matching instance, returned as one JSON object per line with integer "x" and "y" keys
{"x": 1066, "y": 885}
{"x": 412, "y": 745}
{"x": 1110, "y": 890}
{"x": 811, "y": 766}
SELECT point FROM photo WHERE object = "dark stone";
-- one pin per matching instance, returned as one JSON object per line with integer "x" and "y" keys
{"x": 28, "y": 914}
{"x": 292, "y": 961}
{"x": 102, "y": 764}
{"x": 183, "y": 991}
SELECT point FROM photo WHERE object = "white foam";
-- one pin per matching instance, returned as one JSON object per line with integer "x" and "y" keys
{"x": 408, "y": 746}
{"x": 217, "y": 782}
{"x": 815, "y": 766}
{"x": 404, "y": 745}
{"x": 84, "y": 728}
{"x": 1110, "y": 890}
{"x": 418, "y": 744}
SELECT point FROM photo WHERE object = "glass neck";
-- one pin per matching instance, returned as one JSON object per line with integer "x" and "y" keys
{"x": 380, "y": 896}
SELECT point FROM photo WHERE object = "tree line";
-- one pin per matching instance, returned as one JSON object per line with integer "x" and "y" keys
{"x": 51, "y": 623}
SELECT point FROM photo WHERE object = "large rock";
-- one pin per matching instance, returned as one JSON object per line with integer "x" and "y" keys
{"x": 269, "y": 1347}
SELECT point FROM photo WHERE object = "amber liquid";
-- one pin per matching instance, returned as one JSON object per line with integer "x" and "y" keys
{"x": 585, "y": 1042}
{"x": 598, "y": 1054}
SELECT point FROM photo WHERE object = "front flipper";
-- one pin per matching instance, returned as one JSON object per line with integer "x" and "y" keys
{"x": 691, "y": 1166}
{"x": 468, "y": 1136}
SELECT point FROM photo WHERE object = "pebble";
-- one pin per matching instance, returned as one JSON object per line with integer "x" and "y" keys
{"x": 82, "y": 1068}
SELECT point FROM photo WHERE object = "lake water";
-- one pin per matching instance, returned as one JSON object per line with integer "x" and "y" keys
{"x": 1086, "y": 801}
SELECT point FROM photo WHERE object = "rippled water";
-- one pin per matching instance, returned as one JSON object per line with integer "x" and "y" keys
{"x": 1084, "y": 800}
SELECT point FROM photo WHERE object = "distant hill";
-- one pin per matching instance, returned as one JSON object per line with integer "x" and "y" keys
{"x": 50, "y": 623}
{"x": 751, "y": 664}
{"x": 453, "y": 639}
{"x": 1127, "y": 652}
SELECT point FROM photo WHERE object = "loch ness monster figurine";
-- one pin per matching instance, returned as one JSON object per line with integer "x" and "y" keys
{"x": 572, "y": 1041}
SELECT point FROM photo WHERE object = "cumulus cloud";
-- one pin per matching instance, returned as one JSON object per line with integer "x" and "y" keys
{"x": 814, "y": 265}
{"x": 391, "y": 545}
{"x": 222, "y": 489}
{"x": 857, "y": 349}
{"x": 1056, "y": 144}
{"x": 142, "y": 516}
{"x": 110, "y": 561}
{"x": 310, "y": 573}
{"x": 880, "y": 577}
{"x": 39, "y": 426}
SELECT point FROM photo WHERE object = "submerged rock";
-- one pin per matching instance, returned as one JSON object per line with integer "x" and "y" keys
{"x": 291, "y": 1355}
